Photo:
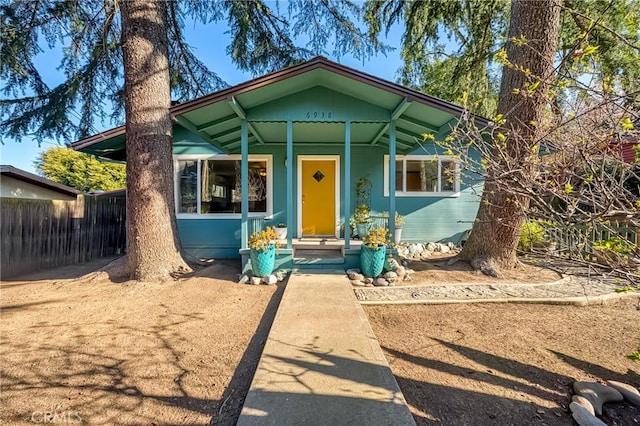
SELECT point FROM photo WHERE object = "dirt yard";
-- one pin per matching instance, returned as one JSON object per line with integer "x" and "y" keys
{"x": 185, "y": 352}
{"x": 105, "y": 353}
{"x": 507, "y": 364}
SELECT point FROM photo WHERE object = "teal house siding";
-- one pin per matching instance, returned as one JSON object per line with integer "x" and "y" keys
{"x": 210, "y": 238}
{"x": 430, "y": 218}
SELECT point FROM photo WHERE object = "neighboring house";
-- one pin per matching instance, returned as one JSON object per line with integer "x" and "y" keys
{"x": 16, "y": 183}
{"x": 627, "y": 150}
{"x": 298, "y": 140}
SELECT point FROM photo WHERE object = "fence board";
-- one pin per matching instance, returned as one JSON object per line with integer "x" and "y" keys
{"x": 579, "y": 240}
{"x": 41, "y": 234}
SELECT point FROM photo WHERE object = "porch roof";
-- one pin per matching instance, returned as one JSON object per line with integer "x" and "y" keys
{"x": 318, "y": 96}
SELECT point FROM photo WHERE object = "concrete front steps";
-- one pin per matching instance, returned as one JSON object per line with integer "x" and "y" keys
{"x": 322, "y": 364}
{"x": 313, "y": 253}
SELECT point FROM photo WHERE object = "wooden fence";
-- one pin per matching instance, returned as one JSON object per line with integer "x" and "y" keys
{"x": 41, "y": 234}
{"x": 578, "y": 240}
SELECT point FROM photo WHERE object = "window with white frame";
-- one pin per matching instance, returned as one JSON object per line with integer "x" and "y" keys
{"x": 423, "y": 175}
{"x": 213, "y": 186}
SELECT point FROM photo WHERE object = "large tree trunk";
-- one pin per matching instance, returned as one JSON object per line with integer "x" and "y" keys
{"x": 494, "y": 238}
{"x": 154, "y": 252}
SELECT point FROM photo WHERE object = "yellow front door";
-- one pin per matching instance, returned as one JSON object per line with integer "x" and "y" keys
{"x": 318, "y": 197}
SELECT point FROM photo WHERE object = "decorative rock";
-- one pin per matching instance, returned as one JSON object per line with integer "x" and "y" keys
{"x": 416, "y": 249}
{"x": 357, "y": 283}
{"x": 270, "y": 279}
{"x": 390, "y": 275}
{"x": 380, "y": 282}
{"x": 584, "y": 402}
{"x": 403, "y": 252}
{"x": 368, "y": 280}
{"x": 583, "y": 417}
{"x": 391, "y": 264}
{"x": 444, "y": 248}
{"x": 368, "y": 285}
{"x": 431, "y": 247}
{"x": 281, "y": 274}
{"x": 597, "y": 394}
{"x": 255, "y": 281}
{"x": 629, "y": 393}
{"x": 353, "y": 271}
{"x": 451, "y": 245}
{"x": 244, "y": 278}
{"x": 407, "y": 277}
{"x": 356, "y": 277}
{"x": 400, "y": 271}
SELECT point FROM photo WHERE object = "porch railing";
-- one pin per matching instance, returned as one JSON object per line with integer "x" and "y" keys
{"x": 255, "y": 224}
{"x": 379, "y": 221}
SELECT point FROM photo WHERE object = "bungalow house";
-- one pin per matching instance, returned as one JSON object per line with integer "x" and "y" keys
{"x": 17, "y": 183}
{"x": 290, "y": 147}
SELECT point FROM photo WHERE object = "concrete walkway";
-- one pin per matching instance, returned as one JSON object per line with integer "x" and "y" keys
{"x": 322, "y": 364}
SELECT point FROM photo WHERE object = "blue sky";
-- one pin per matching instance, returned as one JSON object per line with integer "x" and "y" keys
{"x": 200, "y": 37}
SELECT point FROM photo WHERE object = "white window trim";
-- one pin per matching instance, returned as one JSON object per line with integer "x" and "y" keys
{"x": 440, "y": 158}
{"x": 176, "y": 186}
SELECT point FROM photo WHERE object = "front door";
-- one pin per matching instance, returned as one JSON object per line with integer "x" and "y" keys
{"x": 318, "y": 198}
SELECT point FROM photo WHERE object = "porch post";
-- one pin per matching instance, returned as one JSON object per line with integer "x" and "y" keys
{"x": 392, "y": 179}
{"x": 244, "y": 176}
{"x": 347, "y": 184}
{"x": 290, "y": 164}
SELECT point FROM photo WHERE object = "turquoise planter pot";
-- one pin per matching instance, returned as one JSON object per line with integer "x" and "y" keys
{"x": 262, "y": 262}
{"x": 372, "y": 260}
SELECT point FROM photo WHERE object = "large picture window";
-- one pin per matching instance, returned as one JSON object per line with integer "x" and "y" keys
{"x": 423, "y": 175}
{"x": 213, "y": 186}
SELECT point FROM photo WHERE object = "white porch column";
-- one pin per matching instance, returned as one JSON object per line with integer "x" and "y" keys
{"x": 290, "y": 163}
{"x": 392, "y": 179}
{"x": 244, "y": 188}
{"x": 347, "y": 184}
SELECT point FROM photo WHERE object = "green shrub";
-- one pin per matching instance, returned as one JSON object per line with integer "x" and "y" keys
{"x": 531, "y": 235}
{"x": 614, "y": 244}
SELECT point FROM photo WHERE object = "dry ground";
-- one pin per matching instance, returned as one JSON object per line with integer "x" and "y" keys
{"x": 107, "y": 353}
{"x": 185, "y": 352}
{"x": 507, "y": 364}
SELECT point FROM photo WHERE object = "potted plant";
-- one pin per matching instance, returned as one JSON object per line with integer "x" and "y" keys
{"x": 262, "y": 245}
{"x": 362, "y": 220}
{"x": 281, "y": 231}
{"x": 373, "y": 251}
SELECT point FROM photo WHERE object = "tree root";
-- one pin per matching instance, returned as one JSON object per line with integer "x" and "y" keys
{"x": 118, "y": 270}
{"x": 122, "y": 269}
{"x": 486, "y": 266}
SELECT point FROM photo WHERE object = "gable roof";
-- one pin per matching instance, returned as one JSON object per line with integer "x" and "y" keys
{"x": 267, "y": 103}
{"x": 30, "y": 178}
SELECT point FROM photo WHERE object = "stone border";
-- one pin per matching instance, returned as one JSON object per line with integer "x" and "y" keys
{"x": 563, "y": 280}
{"x": 575, "y": 301}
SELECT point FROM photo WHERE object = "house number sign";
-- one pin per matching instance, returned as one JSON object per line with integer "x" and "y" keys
{"x": 319, "y": 114}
